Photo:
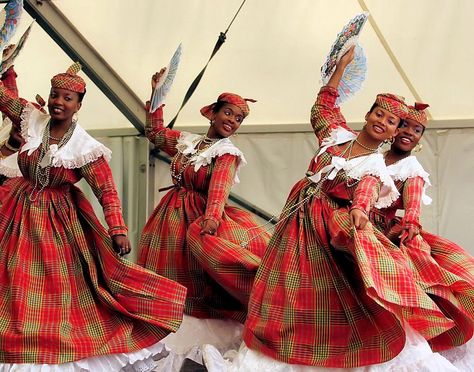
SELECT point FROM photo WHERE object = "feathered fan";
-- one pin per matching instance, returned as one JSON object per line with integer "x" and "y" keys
{"x": 9, "y": 19}
{"x": 10, "y": 58}
{"x": 355, "y": 73}
{"x": 166, "y": 81}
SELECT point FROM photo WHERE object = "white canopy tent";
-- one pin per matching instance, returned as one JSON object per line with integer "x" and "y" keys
{"x": 419, "y": 49}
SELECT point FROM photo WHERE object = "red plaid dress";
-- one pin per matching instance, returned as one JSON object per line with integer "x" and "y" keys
{"x": 325, "y": 294}
{"x": 65, "y": 295}
{"x": 217, "y": 271}
{"x": 444, "y": 270}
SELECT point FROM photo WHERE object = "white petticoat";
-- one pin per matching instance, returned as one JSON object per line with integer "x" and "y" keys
{"x": 416, "y": 356}
{"x": 193, "y": 333}
{"x": 138, "y": 361}
{"x": 462, "y": 357}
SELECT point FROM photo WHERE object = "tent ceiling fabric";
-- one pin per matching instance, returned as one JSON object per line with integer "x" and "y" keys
{"x": 273, "y": 53}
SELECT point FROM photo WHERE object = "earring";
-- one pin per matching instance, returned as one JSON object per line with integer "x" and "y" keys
{"x": 389, "y": 141}
{"x": 75, "y": 117}
{"x": 418, "y": 147}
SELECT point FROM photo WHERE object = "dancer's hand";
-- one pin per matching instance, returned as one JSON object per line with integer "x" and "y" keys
{"x": 347, "y": 58}
{"x": 15, "y": 137}
{"x": 341, "y": 65}
{"x": 208, "y": 227}
{"x": 156, "y": 78}
{"x": 408, "y": 233}
{"x": 121, "y": 244}
{"x": 359, "y": 218}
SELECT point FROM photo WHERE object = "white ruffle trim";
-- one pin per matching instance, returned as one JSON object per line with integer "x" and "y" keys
{"x": 193, "y": 334}
{"x": 410, "y": 167}
{"x": 416, "y": 356}
{"x": 357, "y": 168}
{"x": 187, "y": 142}
{"x": 337, "y": 136}
{"x": 138, "y": 361}
{"x": 9, "y": 166}
{"x": 80, "y": 150}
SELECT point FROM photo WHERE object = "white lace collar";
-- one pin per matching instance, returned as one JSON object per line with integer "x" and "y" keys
{"x": 410, "y": 167}
{"x": 359, "y": 167}
{"x": 80, "y": 150}
{"x": 186, "y": 145}
{"x": 9, "y": 165}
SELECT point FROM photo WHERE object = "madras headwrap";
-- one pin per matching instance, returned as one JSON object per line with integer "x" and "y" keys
{"x": 233, "y": 99}
{"x": 70, "y": 80}
{"x": 417, "y": 113}
{"x": 393, "y": 103}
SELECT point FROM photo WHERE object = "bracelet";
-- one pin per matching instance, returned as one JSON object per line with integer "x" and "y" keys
{"x": 10, "y": 147}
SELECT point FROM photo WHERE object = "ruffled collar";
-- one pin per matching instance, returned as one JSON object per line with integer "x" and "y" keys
{"x": 410, "y": 167}
{"x": 80, "y": 150}
{"x": 357, "y": 168}
{"x": 188, "y": 141}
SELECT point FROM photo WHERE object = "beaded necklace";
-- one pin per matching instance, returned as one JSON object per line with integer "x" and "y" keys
{"x": 177, "y": 171}
{"x": 42, "y": 171}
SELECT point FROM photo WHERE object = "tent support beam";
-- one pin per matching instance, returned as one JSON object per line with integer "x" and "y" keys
{"x": 392, "y": 56}
{"x": 70, "y": 40}
{"x": 306, "y": 127}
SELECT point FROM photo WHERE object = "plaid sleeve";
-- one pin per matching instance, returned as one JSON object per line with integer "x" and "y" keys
{"x": 10, "y": 104}
{"x": 412, "y": 193}
{"x": 9, "y": 81}
{"x": 325, "y": 116}
{"x": 99, "y": 176}
{"x": 221, "y": 182}
{"x": 366, "y": 193}
{"x": 163, "y": 138}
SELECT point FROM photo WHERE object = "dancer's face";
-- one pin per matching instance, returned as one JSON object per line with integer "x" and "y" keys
{"x": 381, "y": 124}
{"x": 63, "y": 103}
{"x": 227, "y": 120}
{"x": 409, "y": 134}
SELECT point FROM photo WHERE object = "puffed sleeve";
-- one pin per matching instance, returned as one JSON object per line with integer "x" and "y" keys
{"x": 11, "y": 105}
{"x": 163, "y": 138}
{"x": 9, "y": 80}
{"x": 412, "y": 193}
{"x": 325, "y": 115}
{"x": 221, "y": 182}
{"x": 366, "y": 193}
{"x": 99, "y": 176}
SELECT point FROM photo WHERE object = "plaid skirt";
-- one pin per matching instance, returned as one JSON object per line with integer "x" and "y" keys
{"x": 65, "y": 295}
{"x": 446, "y": 273}
{"x": 218, "y": 271}
{"x": 327, "y": 295}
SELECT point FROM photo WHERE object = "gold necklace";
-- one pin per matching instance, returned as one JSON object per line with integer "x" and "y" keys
{"x": 366, "y": 147}
{"x": 177, "y": 171}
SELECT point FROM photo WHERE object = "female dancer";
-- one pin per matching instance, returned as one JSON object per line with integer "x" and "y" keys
{"x": 330, "y": 293}
{"x": 445, "y": 270}
{"x": 193, "y": 236}
{"x": 67, "y": 299}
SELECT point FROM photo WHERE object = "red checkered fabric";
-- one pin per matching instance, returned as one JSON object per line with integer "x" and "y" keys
{"x": 217, "y": 271}
{"x": 393, "y": 103}
{"x": 325, "y": 294}
{"x": 444, "y": 270}
{"x": 231, "y": 98}
{"x": 70, "y": 80}
{"x": 418, "y": 114}
{"x": 65, "y": 295}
